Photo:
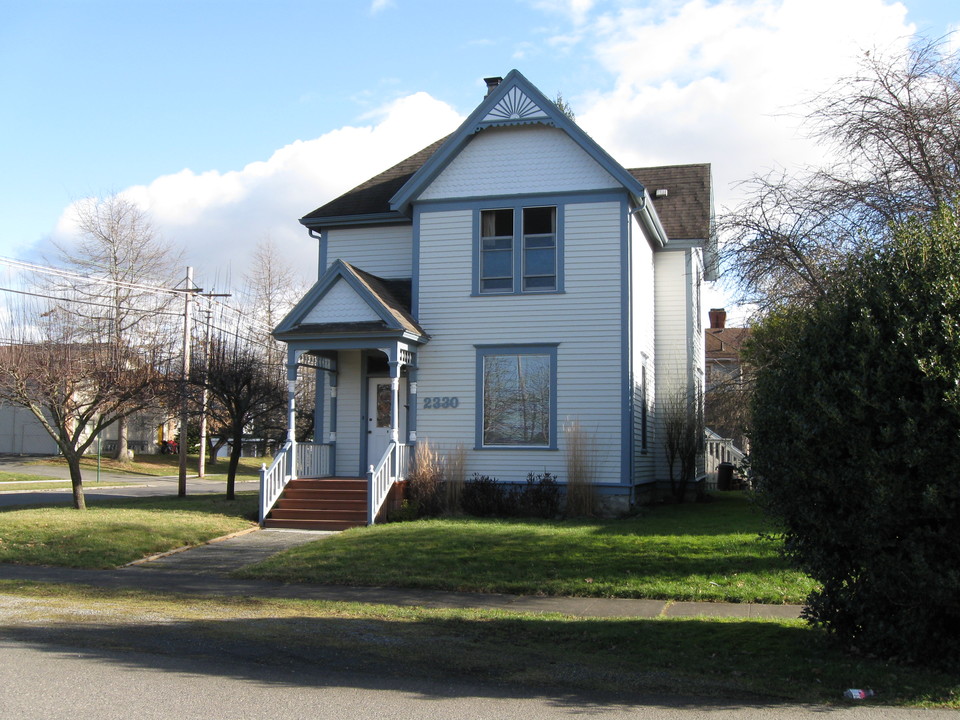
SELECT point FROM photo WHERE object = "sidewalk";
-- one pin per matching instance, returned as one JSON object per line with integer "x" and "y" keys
{"x": 204, "y": 570}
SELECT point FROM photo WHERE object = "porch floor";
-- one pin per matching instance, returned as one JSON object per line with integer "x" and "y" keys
{"x": 320, "y": 504}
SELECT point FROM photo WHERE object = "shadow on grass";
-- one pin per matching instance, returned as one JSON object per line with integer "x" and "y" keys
{"x": 764, "y": 663}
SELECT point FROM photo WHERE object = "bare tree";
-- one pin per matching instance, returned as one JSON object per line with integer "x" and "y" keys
{"x": 118, "y": 252}
{"x": 74, "y": 382}
{"x": 243, "y": 389}
{"x": 893, "y": 129}
{"x": 273, "y": 285}
{"x": 681, "y": 423}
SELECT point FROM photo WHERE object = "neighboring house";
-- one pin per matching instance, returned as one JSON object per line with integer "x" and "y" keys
{"x": 726, "y": 401}
{"x": 489, "y": 290}
{"x": 22, "y": 434}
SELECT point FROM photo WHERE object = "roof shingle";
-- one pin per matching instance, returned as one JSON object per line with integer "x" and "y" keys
{"x": 685, "y": 212}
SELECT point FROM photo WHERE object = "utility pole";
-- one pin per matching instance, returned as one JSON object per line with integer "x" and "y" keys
{"x": 188, "y": 294}
{"x": 202, "y": 462}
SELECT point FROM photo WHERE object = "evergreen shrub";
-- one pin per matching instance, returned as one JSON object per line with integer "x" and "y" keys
{"x": 856, "y": 444}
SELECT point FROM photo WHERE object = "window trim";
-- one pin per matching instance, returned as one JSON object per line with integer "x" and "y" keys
{"x": 484, "y": 351}
{"x": 518, "y": 248}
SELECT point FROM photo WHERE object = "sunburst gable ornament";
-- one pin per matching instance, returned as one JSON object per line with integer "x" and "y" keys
{"x": 515, "y": 105}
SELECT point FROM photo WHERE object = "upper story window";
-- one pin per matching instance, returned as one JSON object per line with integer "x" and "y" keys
{"x": 518, "y": 250}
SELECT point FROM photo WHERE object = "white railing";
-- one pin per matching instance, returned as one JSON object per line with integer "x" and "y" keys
{"x": 274, "y": 479}
{"x": 719, "y": 450}
{"x": 391, "y": 468}
{"x": 312, "y": 460}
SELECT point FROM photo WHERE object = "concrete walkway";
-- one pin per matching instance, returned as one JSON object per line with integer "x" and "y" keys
{"x": 205, "y": 570}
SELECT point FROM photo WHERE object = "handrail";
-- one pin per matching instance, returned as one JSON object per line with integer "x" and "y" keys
{"x": 312, "y": 461}
{"x": 274, "y": 479}
{"x": 391, "y": 468}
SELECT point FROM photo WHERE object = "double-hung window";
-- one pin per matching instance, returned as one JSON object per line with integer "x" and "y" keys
{"x": 517, "y": 388}
{"x": 518, "y": 250}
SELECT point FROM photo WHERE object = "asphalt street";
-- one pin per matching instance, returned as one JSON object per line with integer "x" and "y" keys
{"x": 105, "y": 486}
{"x": 47, "y": 680}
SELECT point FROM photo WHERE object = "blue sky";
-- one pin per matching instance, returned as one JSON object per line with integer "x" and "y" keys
{"x": 229, "y": 119}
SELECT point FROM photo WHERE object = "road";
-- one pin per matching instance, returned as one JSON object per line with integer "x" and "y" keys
{"x": 146, "y": 485}
{"x": 44, "y": 681}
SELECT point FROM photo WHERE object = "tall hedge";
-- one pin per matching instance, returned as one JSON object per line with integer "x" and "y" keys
{"x": 856, "y": 444}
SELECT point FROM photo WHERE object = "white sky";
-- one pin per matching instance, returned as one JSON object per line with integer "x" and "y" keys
{"x": 230, "y": 119}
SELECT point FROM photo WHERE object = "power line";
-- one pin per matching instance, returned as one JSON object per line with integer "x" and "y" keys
{"x": 79, "y": 302}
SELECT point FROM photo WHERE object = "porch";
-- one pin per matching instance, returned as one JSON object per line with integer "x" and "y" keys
{"x": 299, "y": 491}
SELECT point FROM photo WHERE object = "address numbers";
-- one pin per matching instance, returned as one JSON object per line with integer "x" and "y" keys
{"x": 441, "y": 403}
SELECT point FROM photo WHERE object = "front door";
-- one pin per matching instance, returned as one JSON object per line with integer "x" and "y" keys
{"x": 379, "y": 406}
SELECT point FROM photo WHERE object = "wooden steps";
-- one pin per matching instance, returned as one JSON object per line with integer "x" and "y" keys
{"x": 326, "y": 504}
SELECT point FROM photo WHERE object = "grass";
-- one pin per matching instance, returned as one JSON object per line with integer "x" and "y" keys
{"x": 166, "y": 465}
{"x": 9, "y": 477}
{"x": 697, "y": 552}
{"x": 754, "y": 660}
{"x": 23, "y": 482}
{"x": 115, "y": 532}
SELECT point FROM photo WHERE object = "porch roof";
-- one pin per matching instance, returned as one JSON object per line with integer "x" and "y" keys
{"x": 386, "y": 313}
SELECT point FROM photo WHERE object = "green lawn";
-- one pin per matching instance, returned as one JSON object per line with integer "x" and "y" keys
{"x": 9, "y": 477}
{"x": 115, "y": 532}
{"x": 708, "y": 552}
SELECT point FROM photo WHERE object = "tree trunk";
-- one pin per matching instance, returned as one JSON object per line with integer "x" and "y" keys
{"x": 235, "y": 454}
{"x": 122, "y": 454}
{"x": 76, "y": 479}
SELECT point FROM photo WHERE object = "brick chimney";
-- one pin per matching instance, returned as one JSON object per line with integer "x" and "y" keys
{"x": 492, "y": 83}
{"x": 718, "y": 318}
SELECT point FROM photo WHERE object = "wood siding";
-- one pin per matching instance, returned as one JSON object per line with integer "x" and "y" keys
{"x": 519, "y": 161}
{"x": 382, "y": 250}
{"x": 349, "y": 414}
{"x": 643, "y": 354}
{"x": 585, "y": 321}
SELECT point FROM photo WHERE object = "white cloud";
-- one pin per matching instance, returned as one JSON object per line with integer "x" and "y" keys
{"x": 379, "y": 5}
{"x": 724, "y": 82}
{"x": 576, "y": 11}
{"x": 219, "y": 217}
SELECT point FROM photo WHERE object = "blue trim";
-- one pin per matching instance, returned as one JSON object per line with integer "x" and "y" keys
{"x": 487, "y": 202}
{"x": 319, "y": 393}
{"x": 334, "y": 383}
{"x": 518, "y": 204}
{"x": 474, "y": 123}
{"x": 627, "y": 346}
{"x": 314, "y": 295}
{"x": 412, "y": 402}
{"x": 549, "y": 349}
{"x": 415, "y": 279}
{"x": 324, "y": 223}
{"x": 364, "y": 417}
{"x": 324, "y": 249}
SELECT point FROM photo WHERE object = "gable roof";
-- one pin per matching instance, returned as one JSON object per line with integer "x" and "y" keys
{"x": 388, "y": 300}
{"x": 371, "y": 199}
{"x": 725, "y": 343}
{"x": 686, "y": 212}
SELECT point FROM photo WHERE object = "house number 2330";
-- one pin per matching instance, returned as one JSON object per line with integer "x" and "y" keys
{"x": 440, "y": 403}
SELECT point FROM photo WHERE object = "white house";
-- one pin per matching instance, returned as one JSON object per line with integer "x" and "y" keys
{"x": 491, "y": 289}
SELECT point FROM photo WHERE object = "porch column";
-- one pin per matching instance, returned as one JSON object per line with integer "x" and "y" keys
{"x": 293, "y": 357}
{"x": 395, "y": 401}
